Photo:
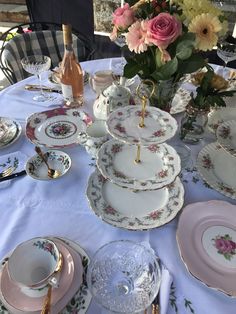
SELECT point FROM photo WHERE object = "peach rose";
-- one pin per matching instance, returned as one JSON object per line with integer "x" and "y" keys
{"x": 163, "y": 30}
{"x": 123, "y": 17}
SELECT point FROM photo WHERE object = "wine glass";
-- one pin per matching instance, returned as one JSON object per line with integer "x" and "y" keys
{"x": 226, "y": 51}
{"x": 36, "y": 64}
{"x": 124, "y": 277}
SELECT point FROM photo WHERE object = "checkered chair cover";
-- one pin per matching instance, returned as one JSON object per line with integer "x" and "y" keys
{"x": 43, "y": 42}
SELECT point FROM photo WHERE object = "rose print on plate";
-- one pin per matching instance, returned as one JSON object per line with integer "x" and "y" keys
{"x": 219, "y": 243}
{"x": 225, "y": 246}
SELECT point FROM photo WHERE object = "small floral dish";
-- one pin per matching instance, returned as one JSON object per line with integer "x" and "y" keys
{"x": 226, "y": 136}
{"x": 57, "y": 160}
{"x": 10, "y": 131}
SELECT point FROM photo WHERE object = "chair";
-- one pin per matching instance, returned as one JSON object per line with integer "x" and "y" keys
{"x": 78, "y": 13}
{"x": 20, "y": 41}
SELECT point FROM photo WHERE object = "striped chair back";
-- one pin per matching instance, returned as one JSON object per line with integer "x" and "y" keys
{"x": 43, "y": 42}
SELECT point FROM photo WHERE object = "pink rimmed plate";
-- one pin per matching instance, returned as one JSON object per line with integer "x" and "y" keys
{"x": 31, "y": 301}
{"x": 57, "y": 128}
{"x": 75, "y": 299}
{"x": 150, "y": 209}
{"x": 206, "y": 237}
{"x": 159, "y": 126}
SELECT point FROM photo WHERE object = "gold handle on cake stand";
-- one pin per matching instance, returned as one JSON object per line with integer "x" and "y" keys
{"x": 144, "y": 95}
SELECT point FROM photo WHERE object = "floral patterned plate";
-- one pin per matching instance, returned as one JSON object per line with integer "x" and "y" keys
{"x": 218, "y": 169}
{"x": 57, "y": 128}
{"x": 150, "y": 209}
{"x": 10, "y": 131}
{"x": 226, "y": 136}
{"x": 206, "y": 237}
{"x": 180, "y": 101}
{"x": 79, "y": 301}
{"x": 54, "y": 79}
{"x": 159, "y": 166}
{"x": 159, "y": 126}
{"x": 220, "y": 115}
{"x": 57, "y": 160}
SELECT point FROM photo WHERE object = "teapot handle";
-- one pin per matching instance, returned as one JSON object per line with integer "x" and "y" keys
{"x": 83, "y": 137}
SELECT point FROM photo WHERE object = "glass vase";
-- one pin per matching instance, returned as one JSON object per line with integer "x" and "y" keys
{"x": 193, "y": 125}
{"x": 163, "y": 94}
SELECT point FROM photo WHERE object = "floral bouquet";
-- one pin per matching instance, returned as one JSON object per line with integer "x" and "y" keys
{"x": 212, "y": 90}
{"x": 165, "y": 38}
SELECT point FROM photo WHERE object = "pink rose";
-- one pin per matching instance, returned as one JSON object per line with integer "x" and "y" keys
{"x": 123, "y": 17}
{"x": 224, "y": 246}
{"x": 163, "y": 30}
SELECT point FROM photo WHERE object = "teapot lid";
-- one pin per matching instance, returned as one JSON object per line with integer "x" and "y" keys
{"x": 116, "y": 91}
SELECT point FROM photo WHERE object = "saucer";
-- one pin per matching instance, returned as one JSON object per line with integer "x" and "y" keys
{"x": 16, "y": 298}
{"x": 58, "y": 160}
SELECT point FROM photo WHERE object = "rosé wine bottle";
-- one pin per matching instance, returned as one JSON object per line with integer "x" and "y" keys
{"x": 71, "y": 74}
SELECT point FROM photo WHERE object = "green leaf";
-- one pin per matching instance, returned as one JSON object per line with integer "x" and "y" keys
{"x": 184, "y": 49}
{"x": 192, "y": 64}
{"x": 166, "y": 70}
{"x": 131, "y": 69}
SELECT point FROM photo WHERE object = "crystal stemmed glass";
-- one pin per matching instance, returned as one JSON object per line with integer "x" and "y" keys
{"x": 226, "y": 51}
{"x": 124, "y": 277}
{"x": 36, "y": 64}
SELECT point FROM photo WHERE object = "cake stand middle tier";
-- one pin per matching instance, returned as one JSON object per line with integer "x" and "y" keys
{"x": 159, "y": 166}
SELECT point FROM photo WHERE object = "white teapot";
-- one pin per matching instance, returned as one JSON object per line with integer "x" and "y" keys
{"x": 111, "y": 98}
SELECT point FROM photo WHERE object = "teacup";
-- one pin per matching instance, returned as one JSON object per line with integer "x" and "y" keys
{"x": 95, "y": 135}
{"x": 100, "y": 80}
{"x": 34, "y": 264}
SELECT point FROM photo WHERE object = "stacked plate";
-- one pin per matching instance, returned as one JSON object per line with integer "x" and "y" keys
{"x": 137, "y": 195}
{"x": 71, "y": 295}
{"x": 216, "y": 162}
{"x": 10, "y": 131}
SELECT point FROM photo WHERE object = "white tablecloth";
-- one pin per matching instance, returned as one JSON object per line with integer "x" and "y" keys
{"x": 30, "y": 208}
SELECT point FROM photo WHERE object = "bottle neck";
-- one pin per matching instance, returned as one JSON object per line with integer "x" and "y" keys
{"x": 69, "y": 47}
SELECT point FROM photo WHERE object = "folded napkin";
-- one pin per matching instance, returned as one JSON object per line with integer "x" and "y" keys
{"x": 16, "y": 160}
